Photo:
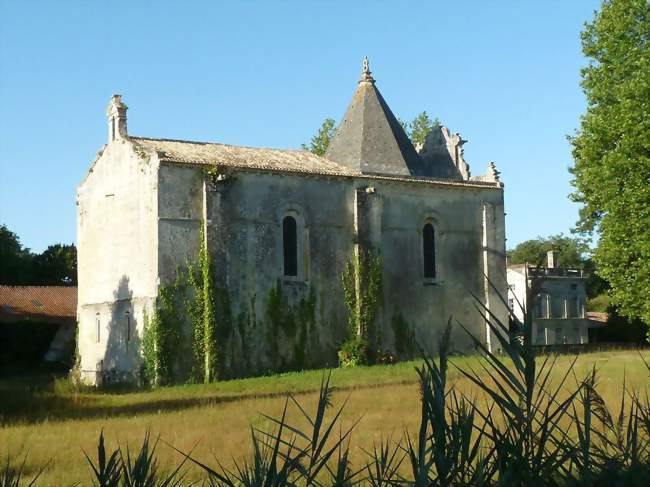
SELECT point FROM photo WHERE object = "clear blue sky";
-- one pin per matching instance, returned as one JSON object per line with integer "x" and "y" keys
{"x": 504, "y": 74}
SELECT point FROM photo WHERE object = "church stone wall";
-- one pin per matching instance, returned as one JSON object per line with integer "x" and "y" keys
{"x": 244, "y": 214}
{"x": 117, "y": 247}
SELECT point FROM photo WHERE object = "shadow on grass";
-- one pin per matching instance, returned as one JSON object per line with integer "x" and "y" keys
{"x": 30, "y": 398}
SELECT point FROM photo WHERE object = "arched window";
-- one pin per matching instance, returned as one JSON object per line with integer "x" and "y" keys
{"x": 98, "y": 327}
{"x": 128, "y": 326}
{"x": 429, "y": 250}
{"x": 290, "y": 246}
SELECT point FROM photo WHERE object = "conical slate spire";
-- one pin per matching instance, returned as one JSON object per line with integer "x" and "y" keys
{"x": 370, "y": 139}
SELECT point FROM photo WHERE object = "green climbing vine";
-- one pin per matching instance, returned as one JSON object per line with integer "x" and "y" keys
{"x": 163, "y": 332}
{"x": 210, "y": 355}
{"x": 295, "y": 321}
{"x": 195, "y": 308}
{"x": 404, "y": 335}
{"x": 363, "y": 295}
{"x": 218, "y": 173}
{"x": 192, "y": 297}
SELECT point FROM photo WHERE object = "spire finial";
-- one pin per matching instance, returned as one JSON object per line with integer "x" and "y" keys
{"x": 366, "y": 73}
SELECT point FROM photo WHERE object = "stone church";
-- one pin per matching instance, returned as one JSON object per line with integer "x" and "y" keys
{"x": 288, "y": 221}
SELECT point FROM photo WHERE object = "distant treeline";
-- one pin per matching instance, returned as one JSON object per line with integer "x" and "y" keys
{"x": 55, "y": 266}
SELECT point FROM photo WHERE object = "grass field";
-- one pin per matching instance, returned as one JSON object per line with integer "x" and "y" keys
{"x": 53, "y": 422}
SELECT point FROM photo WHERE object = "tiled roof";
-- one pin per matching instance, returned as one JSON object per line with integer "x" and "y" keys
{"x": 46, "y": 302}
{"x": 597, "y": 316}
{"x": 247, "y": 157}
{"x": 285, "y": 160}
{"x": 370, "y": 139}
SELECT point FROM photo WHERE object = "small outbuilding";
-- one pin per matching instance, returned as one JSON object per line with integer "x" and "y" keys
{"x": 37, "y": 323}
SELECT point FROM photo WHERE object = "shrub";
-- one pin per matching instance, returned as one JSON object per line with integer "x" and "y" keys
{"x": 354, "y": 352}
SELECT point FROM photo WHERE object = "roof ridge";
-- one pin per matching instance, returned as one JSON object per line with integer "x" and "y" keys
{"x": 198, "y": 142}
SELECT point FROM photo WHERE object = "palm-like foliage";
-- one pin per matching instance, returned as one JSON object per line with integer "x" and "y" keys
{"x": 287, "y": 455}
{"x": 12, "y": 476}
{"x": 120, "y": 470}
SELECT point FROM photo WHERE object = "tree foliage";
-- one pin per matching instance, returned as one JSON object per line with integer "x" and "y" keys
{"x": 612, "y": 150}
{"x": 420, "y": 126}
{"x": 55, "y": 266}
{"x": 15, "y": 261}
{"x": 417, "y": 130}
{"x": 321, "y": 141}
{"x": 572, "y": 251}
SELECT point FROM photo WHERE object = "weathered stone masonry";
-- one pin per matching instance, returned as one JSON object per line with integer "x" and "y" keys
{"x": 145, "y": 202}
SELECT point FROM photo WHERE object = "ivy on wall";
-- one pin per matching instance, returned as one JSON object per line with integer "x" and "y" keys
{"x": 162, "y": 333}
{"x": 363, "y": 294}
{"x": 295, "y": 321}
{"x": 209, "y": 321}
{"x": 194, "y": 297}
{"x": 189, "y": 334}
{"x": 404, "y": 336}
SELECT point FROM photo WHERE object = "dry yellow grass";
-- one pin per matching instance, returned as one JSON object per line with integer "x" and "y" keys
{"x": 222, "y": 430}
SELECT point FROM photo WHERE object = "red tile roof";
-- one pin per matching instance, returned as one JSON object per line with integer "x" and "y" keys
{"x": 597, "y": 316}
{"x": 42, "y": 302}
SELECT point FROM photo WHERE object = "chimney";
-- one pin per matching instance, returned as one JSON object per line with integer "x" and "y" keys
{"x": 552, "y": 259}
{"x": 116, "y": 113}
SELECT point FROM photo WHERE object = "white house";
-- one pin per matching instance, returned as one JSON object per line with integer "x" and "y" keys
{"x": 558, "y": 305}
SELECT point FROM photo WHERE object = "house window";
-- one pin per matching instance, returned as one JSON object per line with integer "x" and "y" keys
{"x": 541, "y": 306}
{"x": 541, "y": 336}
{"x": 511, "y": 304}
{"x": 576, "y": 335}
{"x": 290, "y": 246}
{"x": 557, "y": 307}
{"x": 128, "y": 326}
{"x": 98, "y": 328}
{"x": 429, "y": 251}
{"x": 559, "y": 337}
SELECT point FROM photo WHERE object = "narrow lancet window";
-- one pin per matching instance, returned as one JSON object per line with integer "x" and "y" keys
{"x": 429, "y": 250}
{"x": 128, "y": 326}
{"x": 98, "y": 328}
{"x": 290, "y": 246}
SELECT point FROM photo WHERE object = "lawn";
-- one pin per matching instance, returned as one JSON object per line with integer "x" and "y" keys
{"x": 52, "y": 421}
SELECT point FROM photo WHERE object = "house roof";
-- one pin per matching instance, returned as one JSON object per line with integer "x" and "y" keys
{"x": 49, "y": 303}
{"x": 369, "y": 139}
{"x": 282, "y": 160}
{"x": 597, "y": 316}
{"x": 183, "y": 151}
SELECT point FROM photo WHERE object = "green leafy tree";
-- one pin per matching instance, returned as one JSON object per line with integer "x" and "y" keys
{"x": 420, "y": 127}
{"x": 56, "y": 266}
{"x": 321, "y": 141}
{"x": 571, "y": 251}
{"x": 417, "y": 130}
{"x": 15, "y": 261}
{"x": 612, "y": 150}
